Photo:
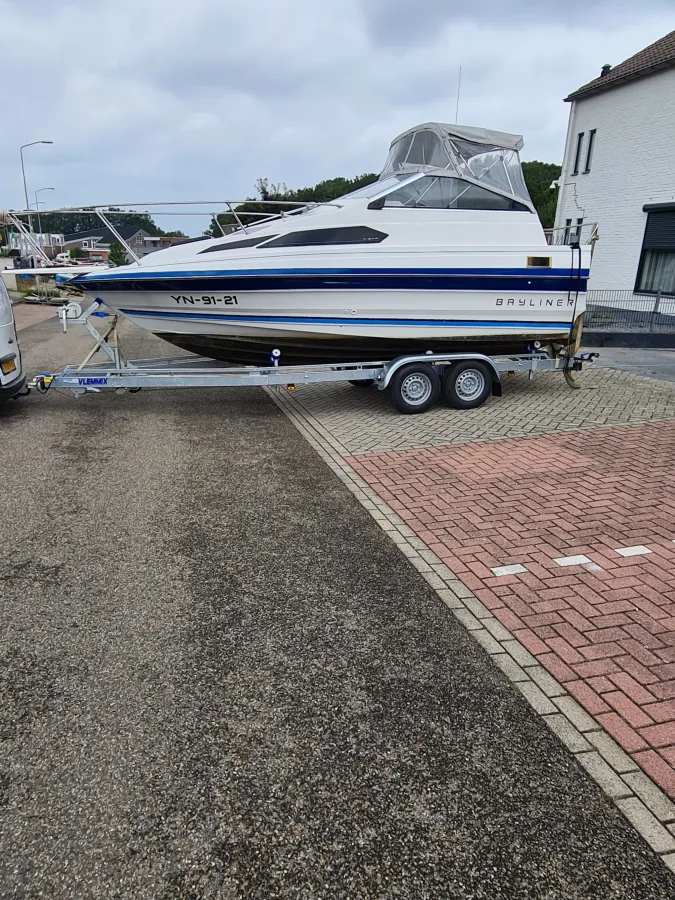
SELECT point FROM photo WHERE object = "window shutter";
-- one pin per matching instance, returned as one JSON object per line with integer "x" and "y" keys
{"x": 660, "y": 231}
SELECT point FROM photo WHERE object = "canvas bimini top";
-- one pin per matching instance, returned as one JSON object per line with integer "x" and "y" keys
{"x": 478, "y": 155}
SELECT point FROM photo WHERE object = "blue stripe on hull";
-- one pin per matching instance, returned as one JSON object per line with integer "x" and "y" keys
{"x": 326, "y": 320}
{"x": 231, "y": 284}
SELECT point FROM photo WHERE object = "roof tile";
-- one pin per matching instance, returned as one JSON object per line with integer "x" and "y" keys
{"x": 659, "y": 55}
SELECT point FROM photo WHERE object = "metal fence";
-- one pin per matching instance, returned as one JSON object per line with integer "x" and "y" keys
{"x": 629, "y": 311}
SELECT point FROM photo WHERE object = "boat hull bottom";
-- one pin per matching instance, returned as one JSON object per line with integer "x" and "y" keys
{"x": 251, "y": 351}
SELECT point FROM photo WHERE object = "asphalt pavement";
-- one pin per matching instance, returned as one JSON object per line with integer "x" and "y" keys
{"x": 220, "y": 679}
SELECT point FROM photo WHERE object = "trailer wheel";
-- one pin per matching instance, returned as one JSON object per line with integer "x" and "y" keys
{"x": 415, "y": 387}
{"x": 468, "y": 384}
{"x": 363, "y": 383}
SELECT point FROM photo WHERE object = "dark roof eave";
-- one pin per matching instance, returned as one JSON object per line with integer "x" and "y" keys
{"x": 599, "y": 87}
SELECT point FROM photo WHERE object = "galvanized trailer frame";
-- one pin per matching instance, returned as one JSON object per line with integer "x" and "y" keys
{"x": 119, "y": 374}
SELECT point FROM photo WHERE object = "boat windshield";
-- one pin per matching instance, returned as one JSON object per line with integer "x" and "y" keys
{"x": 475, "y": 154}
{"x": 374, "y": 188}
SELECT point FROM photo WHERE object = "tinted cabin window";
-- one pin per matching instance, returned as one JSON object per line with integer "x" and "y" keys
{"x": 448, "y": 193}
{"x": 320, "y": 236}
{"x": 237, "y": 245}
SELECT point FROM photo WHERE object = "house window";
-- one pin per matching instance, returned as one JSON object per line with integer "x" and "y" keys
{"x": 589, "y": 151}
{"x": 568, "y": 227}
{"x": 577, "y": 155}
{"x": 576, "y": 233}
{"x": 656, "y": 271}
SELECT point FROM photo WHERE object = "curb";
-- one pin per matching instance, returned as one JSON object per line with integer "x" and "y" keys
{"x": 642, "y": 802}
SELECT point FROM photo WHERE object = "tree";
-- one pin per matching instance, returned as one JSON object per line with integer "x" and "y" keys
{"x": 323, "y": 192}
{"x": 117, "y": 255}
{"x": 538, "y": 178}
{"x": 77, "y": 253}
{"x": 74, "y": 223}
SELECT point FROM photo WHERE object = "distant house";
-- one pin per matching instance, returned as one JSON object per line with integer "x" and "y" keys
{"x": 97, "y": 242}
{"x": 51, "y": 243}
{"x": 619, "y": 171}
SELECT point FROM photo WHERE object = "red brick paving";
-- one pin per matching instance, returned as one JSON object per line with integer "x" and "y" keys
{"x": 607, "y": 635}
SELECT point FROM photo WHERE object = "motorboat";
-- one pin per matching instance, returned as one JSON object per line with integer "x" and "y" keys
{"x": 444, "y": 251}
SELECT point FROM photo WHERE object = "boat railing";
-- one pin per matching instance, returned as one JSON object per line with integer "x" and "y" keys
{"x": 583, "y": 233}
{"x": 214, "y": 210}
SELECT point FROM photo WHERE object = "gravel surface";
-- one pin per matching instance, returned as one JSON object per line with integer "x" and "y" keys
{"x": 220, "y": 679}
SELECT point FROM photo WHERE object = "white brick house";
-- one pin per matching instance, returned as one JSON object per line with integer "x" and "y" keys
{"x": 619, "y": 171}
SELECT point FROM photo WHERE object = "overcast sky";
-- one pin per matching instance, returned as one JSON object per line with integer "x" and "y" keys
{"x": 192, "y": 99}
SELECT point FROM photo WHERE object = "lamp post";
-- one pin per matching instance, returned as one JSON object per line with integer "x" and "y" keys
{"x": 37, "y": 207}
{"x": 23, "y": 172}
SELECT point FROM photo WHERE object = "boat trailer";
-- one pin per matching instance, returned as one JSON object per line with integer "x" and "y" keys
{"x": 416, "y": 381}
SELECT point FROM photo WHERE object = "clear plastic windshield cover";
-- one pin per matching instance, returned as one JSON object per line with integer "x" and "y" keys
{"x": 491, "y": 166}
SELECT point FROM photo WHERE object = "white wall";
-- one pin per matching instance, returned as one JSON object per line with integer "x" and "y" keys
{"x": 633, "y": 164}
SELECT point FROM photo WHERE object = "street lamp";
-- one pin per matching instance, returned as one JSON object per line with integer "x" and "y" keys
{"x": 37, "y": 206}
{"x": 23, "y": 172}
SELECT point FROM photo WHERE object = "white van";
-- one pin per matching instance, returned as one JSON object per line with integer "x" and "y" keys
{"x": 12, "y": 378}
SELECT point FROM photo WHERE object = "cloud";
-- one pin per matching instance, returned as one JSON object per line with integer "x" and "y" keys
{"x": 194, "y": 100}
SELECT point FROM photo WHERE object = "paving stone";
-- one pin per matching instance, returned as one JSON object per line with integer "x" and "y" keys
{"x": 658, "y": 837}
{"x": 653, "y": 798}
{"x": 467, "y": 620}
{"x": 568, "y": 734}
{"x": 545, "y": 681}
{"x": 486, "y": 640}
{"x": 497, "y": 630}
{"x": 510, "y": 667}
{"x": 608, "y": 748}
{"x": 519, "y": 653}
{"x": 480, "y": 611}
{"x": 364, "y": 421}
{"x": 614, "y": 786}
{"x": 536, "y": 698}
{"x": 576, "y": 714}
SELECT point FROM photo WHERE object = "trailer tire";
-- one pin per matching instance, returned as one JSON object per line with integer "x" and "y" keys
{"x": 363, "y": 383}
{"x": 415, "y": 388}
{"x": 467, "y": 384}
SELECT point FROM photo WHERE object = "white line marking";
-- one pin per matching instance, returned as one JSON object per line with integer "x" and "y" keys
{"x": 632, "y": 551}
{"x": 516, "y": 569}
{"x": 572, "y": 560}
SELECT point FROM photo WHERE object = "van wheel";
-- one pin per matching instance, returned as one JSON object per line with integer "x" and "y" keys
{"x": 415, "y": 387}
{"x": 468, "y": 384}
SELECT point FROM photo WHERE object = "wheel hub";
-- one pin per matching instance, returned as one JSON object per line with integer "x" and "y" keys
{"x": 416, "y": 388}
{"x": 470, "y": 384}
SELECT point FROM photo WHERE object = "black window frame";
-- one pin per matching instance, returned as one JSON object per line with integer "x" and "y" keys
{"x": 336, "y": 236}
{"x": 577, "y": 155}
{"x": 239, "y": 245}
{"x": 589, "y": 150}
{"x": 659, "y": 243}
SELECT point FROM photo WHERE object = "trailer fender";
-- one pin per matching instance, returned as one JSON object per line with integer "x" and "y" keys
{"x": 439, "y": 359}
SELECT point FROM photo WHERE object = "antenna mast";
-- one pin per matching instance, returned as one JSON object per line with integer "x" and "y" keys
{"x": 459, "y": 87}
